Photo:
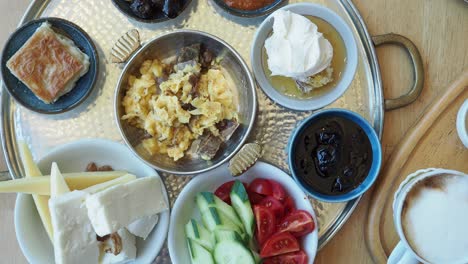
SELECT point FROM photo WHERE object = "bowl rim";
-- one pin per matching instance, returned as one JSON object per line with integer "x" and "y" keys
{"x": 376, "y": 155}
{"x": 148, "y": 20}
{"x": 313, "y": 103}
{"x": 94, "y": 59}
{"x": 164, "y": 217}
{"x": 266, "y": 10}
{"x": 299, "y": 197}
{"x": 251, "y": 84}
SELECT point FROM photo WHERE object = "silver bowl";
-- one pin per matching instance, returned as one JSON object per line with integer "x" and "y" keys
{"x": 166, "y": 46}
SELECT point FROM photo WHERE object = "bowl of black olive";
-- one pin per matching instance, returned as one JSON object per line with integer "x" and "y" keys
{"x": 151, "y": 11}
{"x": 335, "y": 155}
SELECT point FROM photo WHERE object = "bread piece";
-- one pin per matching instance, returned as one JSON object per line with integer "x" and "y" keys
{"x": 49, "y": 64}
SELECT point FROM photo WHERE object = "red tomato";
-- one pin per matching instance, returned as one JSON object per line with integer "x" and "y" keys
{"x": 266, "y": 223}
{"x": 277, "y": 191}
{"x": 254, "y": 197}
{"x": 223, "y": 191}
{"x": 279, "y": 243}
{"x": 289, "y": 205}
{"x": 261, "y": 186}
{"x": 298, "y": 222}
{"x": 299, "y": 257}
{"x": 274, "y": 205}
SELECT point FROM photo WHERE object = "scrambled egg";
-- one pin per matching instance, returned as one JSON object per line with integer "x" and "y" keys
{"x": 175, "y": 113}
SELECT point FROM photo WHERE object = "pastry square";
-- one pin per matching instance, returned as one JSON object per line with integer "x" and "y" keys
{"x": 49, "y": 64}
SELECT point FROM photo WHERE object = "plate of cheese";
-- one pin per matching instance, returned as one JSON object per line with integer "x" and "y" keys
{"x": 89, "y": 201}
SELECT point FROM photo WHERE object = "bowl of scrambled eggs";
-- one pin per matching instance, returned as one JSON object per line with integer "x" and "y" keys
{"x": 185, "y": 102}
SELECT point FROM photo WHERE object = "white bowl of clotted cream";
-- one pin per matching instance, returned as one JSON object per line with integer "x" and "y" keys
{"x": 321, "y": 99}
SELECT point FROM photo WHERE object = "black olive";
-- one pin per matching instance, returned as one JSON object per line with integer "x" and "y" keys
{"x": 142, "y": 8}
{"x": 157, "y": 3}
{"x": 171, "y": 8}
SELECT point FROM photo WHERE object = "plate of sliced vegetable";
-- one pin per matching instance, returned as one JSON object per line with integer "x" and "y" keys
{"x": 260, "y": 217}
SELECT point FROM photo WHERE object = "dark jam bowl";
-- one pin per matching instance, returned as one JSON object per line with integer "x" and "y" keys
{"x": 375, "y": 150}
{"x": 268, "y": 9}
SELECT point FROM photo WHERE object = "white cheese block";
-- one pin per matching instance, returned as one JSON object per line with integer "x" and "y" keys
{"x": 41, "y": 201}
{"x": 127, "y": 253}
{"x": 74, "y": 237}
{"x": 120, "y": 205}
{"x": 142, "y": 227}
{"x": 102, "y": 186}
{"x": 58, "y": 185}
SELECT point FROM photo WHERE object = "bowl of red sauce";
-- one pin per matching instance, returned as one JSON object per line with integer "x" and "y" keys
{"x": 249, "y": 8}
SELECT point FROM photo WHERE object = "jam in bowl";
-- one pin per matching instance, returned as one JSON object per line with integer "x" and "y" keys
{"x": 335, "y": 155}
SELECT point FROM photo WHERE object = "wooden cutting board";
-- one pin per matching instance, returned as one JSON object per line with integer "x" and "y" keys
{"x": 432, "y": 142}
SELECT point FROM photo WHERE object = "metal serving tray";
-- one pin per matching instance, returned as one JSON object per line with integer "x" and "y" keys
{"x": 95, "y": 117}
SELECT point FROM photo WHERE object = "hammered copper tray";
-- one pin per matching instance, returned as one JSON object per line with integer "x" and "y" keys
{"x": 95, "y": 117}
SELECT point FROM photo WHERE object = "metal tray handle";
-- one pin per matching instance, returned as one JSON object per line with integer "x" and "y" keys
{"x": 418, "y": 69}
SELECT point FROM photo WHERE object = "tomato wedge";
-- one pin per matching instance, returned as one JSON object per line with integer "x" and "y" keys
{"x": 266, "y": 223}
{"x": 278, "y": 244}
{"x": 223, "y": 191}
{"x": 261, "y": 186}
{"x": 298, "y": 222}
{"x": 277, "y": 191}
{"x": 254, "y": 197}
{"x": 289, "y": 205}
{"x": 299, "y": 257}
{"x": 274, "y": 205}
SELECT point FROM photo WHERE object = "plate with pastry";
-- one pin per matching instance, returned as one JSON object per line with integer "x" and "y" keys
{"x": 49, "y": 65}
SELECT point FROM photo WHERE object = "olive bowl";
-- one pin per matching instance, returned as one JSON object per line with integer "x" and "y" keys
{"x": 164, "y": 47}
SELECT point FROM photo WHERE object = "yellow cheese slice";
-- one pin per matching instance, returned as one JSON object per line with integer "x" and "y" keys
{"x": 75, "y": 181}
{"x": 41, "y": 201}
{"x": 58, "y": 185}
{"x": 99, "y": 187}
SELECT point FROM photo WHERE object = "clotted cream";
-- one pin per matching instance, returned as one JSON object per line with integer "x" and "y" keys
{"x": 296, "y": 49}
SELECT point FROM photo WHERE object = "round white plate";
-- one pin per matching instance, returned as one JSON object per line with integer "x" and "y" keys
{"x": 185, "y": 208}
{"x": 74, "y": 157}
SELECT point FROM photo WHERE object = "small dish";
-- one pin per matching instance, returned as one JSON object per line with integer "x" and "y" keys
{"x": 462, "y": 121}
{"x": 183, "y": 209}
{"x": 375, "y": 149}
{"x": 328, "y": 97}
{"x": 124, "y": 7}
{"x": 268, "y": 9}
{"x": 167, "y": 46}
{"x": 74, "y": 157}
{"x": 83, "y": 86}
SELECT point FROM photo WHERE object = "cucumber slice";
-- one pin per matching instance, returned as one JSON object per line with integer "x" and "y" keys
{"x": 221, "y": 235}
{"x": 232, "y": 252}
{"x": 206, "y": 199}
{"x": 199, "y": 234}
{"x": 215, "y": 219}
{"x": 256, "y": 257}
{"x": 240, "y": 202}
{"x": 199, "y": 254}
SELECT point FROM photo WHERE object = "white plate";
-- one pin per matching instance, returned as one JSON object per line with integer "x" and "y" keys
{"x": 74, "y": 157}
{"x": 184, "y": 208}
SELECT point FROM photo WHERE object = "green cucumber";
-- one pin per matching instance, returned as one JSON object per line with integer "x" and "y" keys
{"x": 222, "y": 234}
{"x": 256, "y": 257}
{"x": 232, "y": 252}
{"x": 215, "y": 219}
{"x": 199, "y": 234}
{"x": 199, "y": 254}
{"x": 206, "y": 199}
{"x": 240, "y": 202}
